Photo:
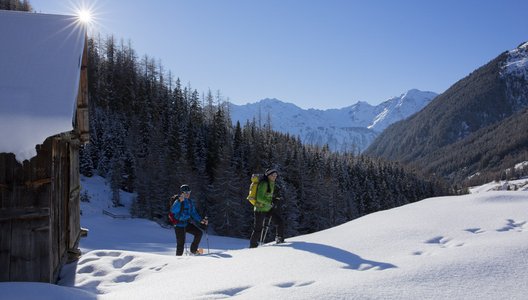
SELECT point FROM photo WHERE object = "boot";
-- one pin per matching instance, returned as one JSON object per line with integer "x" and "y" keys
{"x": 279, "y": 239}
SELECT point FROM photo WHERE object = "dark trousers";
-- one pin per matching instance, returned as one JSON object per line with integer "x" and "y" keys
{"x": 258, "y": 225}
{"x": 180, "y": 237}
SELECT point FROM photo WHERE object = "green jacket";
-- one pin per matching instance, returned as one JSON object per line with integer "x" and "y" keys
{"x": 264, "y": 196}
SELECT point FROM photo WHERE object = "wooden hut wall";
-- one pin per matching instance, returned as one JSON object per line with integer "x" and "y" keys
{"x": 82, "y": 126}
{"x": 39, "y": 211}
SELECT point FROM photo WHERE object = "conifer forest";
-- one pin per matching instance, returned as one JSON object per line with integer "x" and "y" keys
{"x": 150, "y": 133}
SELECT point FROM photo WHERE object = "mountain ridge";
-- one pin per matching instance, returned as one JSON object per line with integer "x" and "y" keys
{"x": 348, "y": 129}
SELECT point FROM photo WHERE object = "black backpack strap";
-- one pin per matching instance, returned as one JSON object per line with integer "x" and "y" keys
{"x": 181, "y": 210}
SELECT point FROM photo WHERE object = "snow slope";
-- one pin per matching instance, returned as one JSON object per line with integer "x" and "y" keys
{"x": 463, "y": 247}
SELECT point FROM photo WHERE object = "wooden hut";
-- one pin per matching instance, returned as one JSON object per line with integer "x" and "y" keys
{"x": 43, "y": 112}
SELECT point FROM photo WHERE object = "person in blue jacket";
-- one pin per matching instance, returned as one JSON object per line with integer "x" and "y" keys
{"x": 184, "y": 210}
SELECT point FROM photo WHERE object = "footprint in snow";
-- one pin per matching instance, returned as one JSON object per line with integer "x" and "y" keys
{"x": 87, "y": 260}
{"x": 441, "y": 241}
{"x": 444, "y": 242}
{"x": 108, "y": 253}
{"x": 87, "y": 269}
{"x": 132, "y": 270}
{"x": 474, "y": 230}
{"x": 121, "y": 262}
{"x": 125, "y": 278}
{"x": 290, "y": 284}
{"x": 228, "y": 292}
{"x": 158, "y": 268}
{"x": 512, "y": 225}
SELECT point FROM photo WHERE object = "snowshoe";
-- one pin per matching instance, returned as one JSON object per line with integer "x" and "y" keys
{"x": 200, "y": 251}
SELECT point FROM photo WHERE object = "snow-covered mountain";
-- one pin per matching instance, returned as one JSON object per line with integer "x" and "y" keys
{"x": 351, "y": 128}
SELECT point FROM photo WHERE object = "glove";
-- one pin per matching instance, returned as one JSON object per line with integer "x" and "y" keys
{"x": 203, "y": 224}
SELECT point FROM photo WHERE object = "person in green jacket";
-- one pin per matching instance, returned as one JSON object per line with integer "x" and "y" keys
{"x": 264, "y": 208}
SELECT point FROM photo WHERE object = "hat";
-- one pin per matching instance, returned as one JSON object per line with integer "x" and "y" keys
{"x": 270, "y": 171}
{"x": 185, "y": 188}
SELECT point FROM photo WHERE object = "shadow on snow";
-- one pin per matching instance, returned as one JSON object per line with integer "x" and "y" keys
{"x": 351, "y": 260}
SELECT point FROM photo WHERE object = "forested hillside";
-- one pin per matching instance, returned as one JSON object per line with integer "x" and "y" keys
{"x": 476, "y": 127}
{"x": 150, "y": 134}
{"x": 488, "y": 154}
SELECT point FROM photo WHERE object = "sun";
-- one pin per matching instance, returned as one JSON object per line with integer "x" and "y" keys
{"x": 85, "y": 16}
{"x": 86, "y": 13}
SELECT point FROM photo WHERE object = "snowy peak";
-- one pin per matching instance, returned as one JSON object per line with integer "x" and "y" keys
{"x": 276, "y": 103}
{"x": 399, "y": 108}
{"x": 517, "y": 62}
{"x": 351, "y": 128}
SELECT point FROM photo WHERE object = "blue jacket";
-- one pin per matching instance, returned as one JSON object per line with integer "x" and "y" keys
{"x": 183, "y": 216}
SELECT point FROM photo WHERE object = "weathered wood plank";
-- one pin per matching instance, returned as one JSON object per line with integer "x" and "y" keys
{"x": 82, "y": 126}
{"x": 74, "y": 203}
{"x": 5, "y": 245}
{"x": 23, "y": 213}
{"x": 29, "y": 244}
{"x": 38, "y": 182}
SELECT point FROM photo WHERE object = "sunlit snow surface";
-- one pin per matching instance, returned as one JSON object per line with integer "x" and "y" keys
{"x": 460, "y": 247}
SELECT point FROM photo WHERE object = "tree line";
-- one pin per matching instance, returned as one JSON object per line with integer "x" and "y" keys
{"x": 150, "y": 134}
{"x": 16, "y": 5}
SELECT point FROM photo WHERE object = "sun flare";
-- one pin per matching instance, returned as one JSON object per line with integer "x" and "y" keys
{"x": 85, "y": 16}
{"x": 87, "y": 13}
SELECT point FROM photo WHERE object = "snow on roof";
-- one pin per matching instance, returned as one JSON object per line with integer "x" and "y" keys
{"x": 40, "y": 62}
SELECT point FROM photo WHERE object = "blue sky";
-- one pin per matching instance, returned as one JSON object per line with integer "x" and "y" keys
{"x": 313, "y": 53}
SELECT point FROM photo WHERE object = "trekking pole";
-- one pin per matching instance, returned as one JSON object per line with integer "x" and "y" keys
{"x": 262, "y": 231}
{"x": 207, "y": 237}
{"x": 263, "y": 234}
{"x": 267, "y": 228}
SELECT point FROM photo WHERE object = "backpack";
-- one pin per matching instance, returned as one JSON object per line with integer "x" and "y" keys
{"x": 172, "y": 219}
{"x": 255, "y": 180}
